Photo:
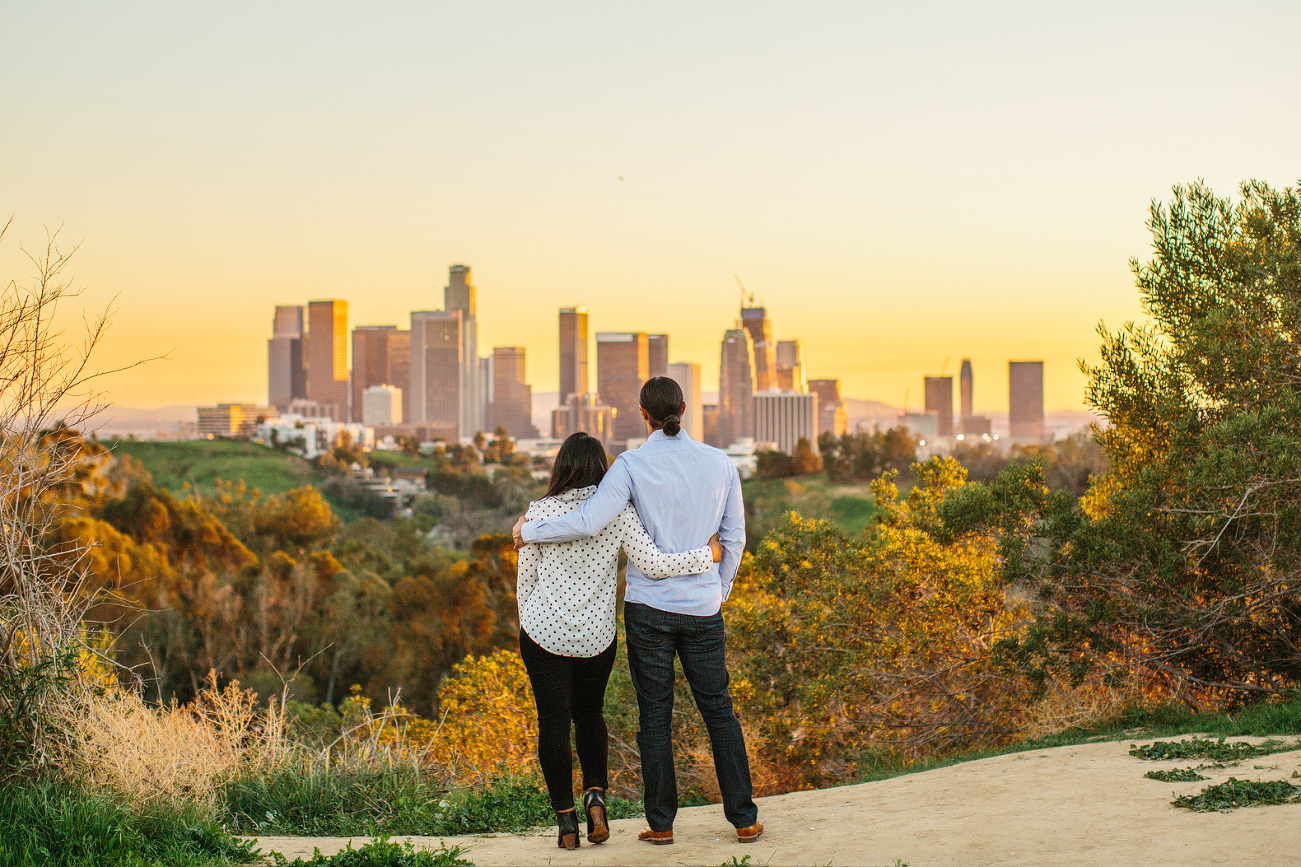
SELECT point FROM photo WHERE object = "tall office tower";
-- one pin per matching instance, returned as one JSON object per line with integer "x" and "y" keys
{"x": 833, "y": 415}
{"x": 286, "y": 373}
{"x": 573, "y": 352}
{"x": 709, "y": 424}
{"x": 657, "y": 355}
{"x": 791, "y": 375}
{"x": 437, "y": 347}
{"x": 485, "y": 392}
{"x": 1025, "y": 399}
{"x": 374, "y": 348}
{"x": 964, "y": 390}
{"x": 755, "y": 320}
{"x": 687, "y": 375}
{"x": 327, "y": 355}
{"x": 939, "y": 400}
{"x": 399, "y": 367}
{"x": 622, "y": 363}
{"x": 736, "y": 379}
{"x": 460, "y": 295}
{"x": 512, "y": 397}
{"x": 784, "y": 417}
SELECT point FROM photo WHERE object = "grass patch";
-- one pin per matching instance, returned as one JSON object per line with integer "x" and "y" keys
{"x": 199, "y": 463}
{"x": 1178, "y": 775}
{"x": 380, "y": 853}
{"x": 1201, "y": 748}
{"x": 1259, "y": 720}
{"x": 47, "y": 823}
{"x": 396, "y": 801}
{"x": 1235, "y": 793}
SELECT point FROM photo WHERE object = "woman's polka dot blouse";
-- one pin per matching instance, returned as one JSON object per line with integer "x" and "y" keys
{"x": 566, "y": 590}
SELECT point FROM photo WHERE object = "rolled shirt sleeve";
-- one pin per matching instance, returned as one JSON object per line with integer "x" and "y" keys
{"x": 731, "y": 533}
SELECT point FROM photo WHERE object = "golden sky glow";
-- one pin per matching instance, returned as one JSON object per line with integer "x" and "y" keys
{"x": 899, "y": 186}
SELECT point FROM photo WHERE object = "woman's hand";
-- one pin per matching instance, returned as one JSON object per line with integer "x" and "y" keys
{"x": 716, "y": 548}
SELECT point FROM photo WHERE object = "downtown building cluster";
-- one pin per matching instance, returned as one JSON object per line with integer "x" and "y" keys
{"x": 428, "y": 381}
{"x": 764, "y": 396}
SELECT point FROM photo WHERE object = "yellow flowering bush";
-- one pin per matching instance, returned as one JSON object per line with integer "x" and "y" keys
{"x": 876, "y": 645}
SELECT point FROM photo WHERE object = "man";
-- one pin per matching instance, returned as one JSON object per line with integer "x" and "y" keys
{"x": 684, "y": 492}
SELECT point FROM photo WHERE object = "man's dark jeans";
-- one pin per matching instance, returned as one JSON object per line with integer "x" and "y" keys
{"x": 653, "y": 637}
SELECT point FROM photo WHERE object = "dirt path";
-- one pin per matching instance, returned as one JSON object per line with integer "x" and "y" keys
{"x": 1063, "y": 807}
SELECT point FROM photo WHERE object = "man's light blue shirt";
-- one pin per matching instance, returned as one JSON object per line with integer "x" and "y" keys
{"x": 684, "y": 492}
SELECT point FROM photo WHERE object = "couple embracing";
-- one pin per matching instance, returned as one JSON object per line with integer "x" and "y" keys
{"x": 674, "y": 506}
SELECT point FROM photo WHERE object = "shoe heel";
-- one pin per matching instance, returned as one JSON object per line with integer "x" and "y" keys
{"x": 598, "y": 828}
{"x": 567, "y": 823}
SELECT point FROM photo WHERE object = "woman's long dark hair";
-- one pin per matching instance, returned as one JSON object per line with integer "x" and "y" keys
{"x": 661, "y": 397}
{"x": 579, "y": 463}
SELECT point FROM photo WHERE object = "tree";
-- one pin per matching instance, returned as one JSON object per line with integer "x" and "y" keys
{"x": 46, "y": 390}
{"x": 1184, "y": 560}
{"x": 881, "y": 644}
{"x": 804, "y": 460}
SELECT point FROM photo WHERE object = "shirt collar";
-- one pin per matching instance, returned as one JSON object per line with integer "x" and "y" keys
{"x": 659, "y": 434}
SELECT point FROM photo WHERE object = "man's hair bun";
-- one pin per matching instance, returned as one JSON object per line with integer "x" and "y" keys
{"x": 672, "y": 424}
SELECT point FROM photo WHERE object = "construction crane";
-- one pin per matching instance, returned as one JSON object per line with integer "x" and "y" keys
{"x": 746, "y": 294}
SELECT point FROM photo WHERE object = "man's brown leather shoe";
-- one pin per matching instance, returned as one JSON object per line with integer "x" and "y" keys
{"x": 749, "y": 835}
{"x": 659, "y": 838}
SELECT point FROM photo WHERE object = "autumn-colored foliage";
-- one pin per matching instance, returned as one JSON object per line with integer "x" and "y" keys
{"x": 879, "y": 645}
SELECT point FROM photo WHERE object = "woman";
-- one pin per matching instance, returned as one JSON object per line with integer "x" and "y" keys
{"x": 566, "y": 595}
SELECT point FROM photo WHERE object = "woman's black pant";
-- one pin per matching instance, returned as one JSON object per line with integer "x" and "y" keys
{"x": 569, "y": 688}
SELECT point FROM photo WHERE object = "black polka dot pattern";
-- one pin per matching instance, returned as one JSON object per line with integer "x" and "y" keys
{"x": 566, "y": 590}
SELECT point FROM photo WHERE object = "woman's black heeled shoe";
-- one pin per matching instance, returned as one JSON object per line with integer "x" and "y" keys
{"x": 598, "y": 830}
{"x": 568, "y": 822}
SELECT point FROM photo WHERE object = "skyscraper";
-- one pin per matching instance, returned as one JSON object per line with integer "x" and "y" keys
{"x": 380, "y": 356}
{"x": 964, "y": 390}
{"x": 437, "y": 347}
{"x": 622, "y": 364}
{"x": 459, "y": 295}
{"x": 1025, "y": 399}
{"x": 784, "y": 417}
{"x": 286, "y": 371}
{"x": 573, "y": 352}
{"x": 327, "y": 355}
{"x": 512, "y": 397}
{"x": 832, "y": 414}
{"x": 791, "y": 375}
{"x": 755, "y": 320}
{"x": 939, "y": 400}
{"x": 736, "y": 378}
{"x": 657, "y": 355}
{"x": 687, "y": 375}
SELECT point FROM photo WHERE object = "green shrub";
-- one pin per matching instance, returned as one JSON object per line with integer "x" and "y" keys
{"x": 396, "y": 801}
{"x": 1201, "y": 748}
{"x": 380, "y": 853}
{"x": 46, "y": 823}
{"x": 1234, "y": 793}
{"x": 1177, "y": 775}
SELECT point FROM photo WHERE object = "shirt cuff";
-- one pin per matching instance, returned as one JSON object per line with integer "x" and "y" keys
{"x": 529, "y": 532}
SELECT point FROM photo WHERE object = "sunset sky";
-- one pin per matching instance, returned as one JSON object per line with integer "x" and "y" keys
{"x": 899, "y": 183}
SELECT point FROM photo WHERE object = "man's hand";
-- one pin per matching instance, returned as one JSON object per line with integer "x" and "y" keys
{"x": 517, "y": 532}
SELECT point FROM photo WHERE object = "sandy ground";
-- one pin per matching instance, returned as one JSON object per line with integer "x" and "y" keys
{"x": 1077, "y": 806}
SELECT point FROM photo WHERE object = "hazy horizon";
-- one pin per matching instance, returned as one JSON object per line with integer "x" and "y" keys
{"x": 901, "y": 186}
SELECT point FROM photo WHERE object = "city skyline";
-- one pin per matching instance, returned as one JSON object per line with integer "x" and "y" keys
{"x": 963, "y": 181}
{"x": 741, "y": 409}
